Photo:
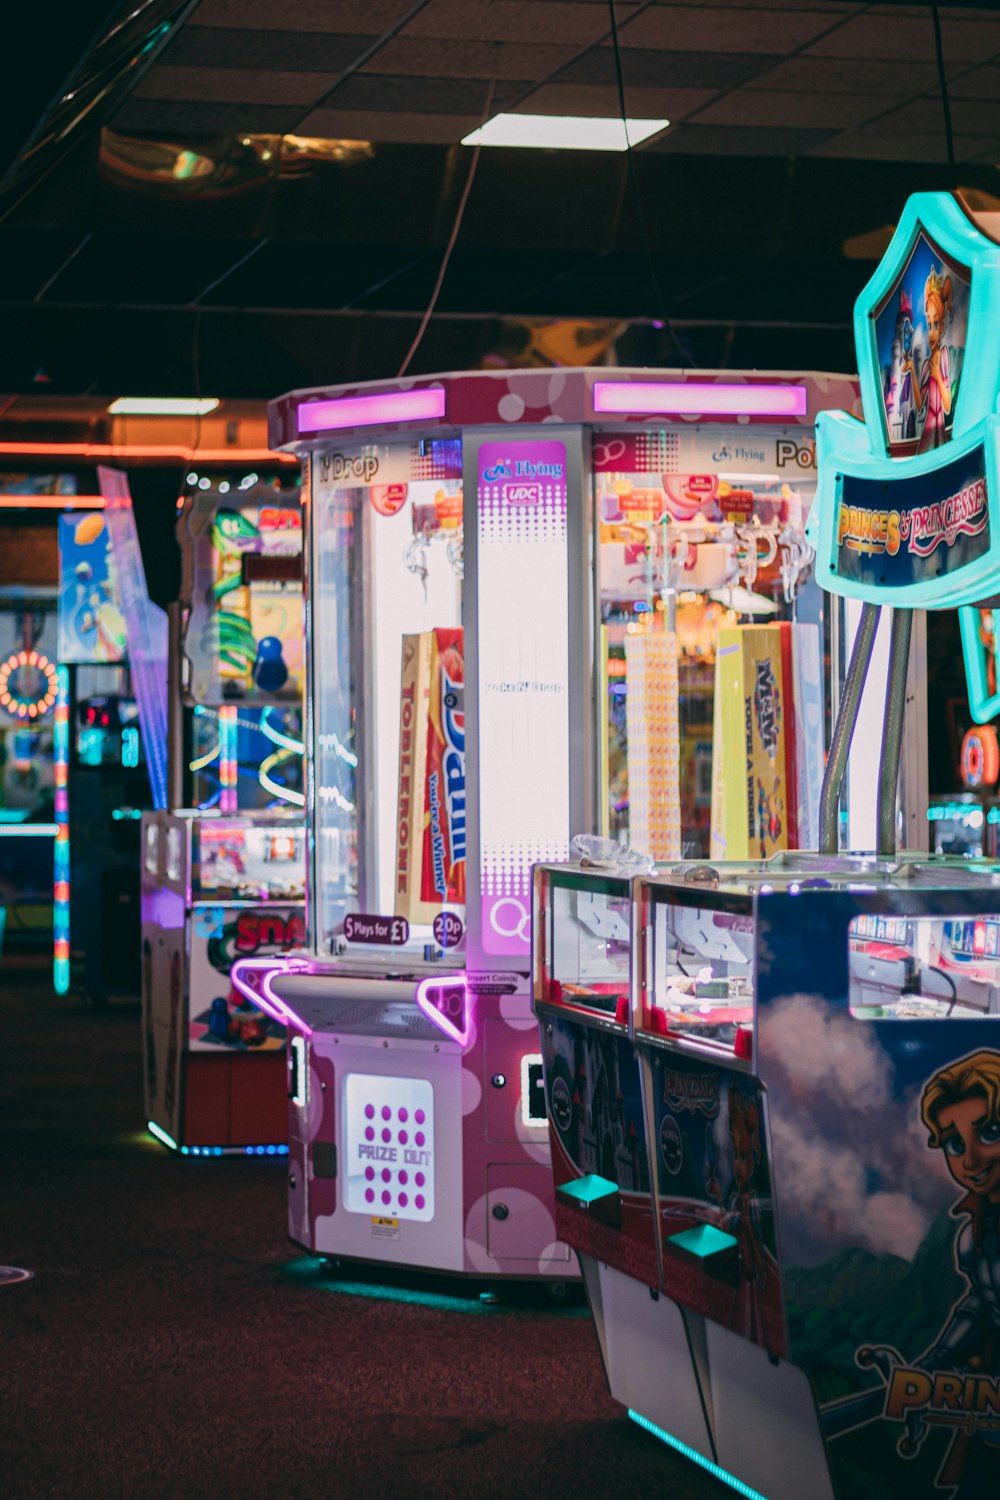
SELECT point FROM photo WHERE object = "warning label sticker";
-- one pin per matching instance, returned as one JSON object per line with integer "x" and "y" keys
{"x": 385, "y": 1229}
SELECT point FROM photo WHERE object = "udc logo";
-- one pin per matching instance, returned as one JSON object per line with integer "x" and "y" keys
{"x": 561, "y": 1103}
{"x": 671, "y": 1145}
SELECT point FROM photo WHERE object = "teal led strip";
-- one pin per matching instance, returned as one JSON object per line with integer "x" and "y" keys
{"x": 161, "y": 1135}
{"x": 695, "y": 1456}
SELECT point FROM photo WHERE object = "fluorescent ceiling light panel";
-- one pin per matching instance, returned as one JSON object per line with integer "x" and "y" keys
{"x": 163, "y": 406}
{"x": 695, "y": 399}
{"x": 371, "y": 411}
{"x": 563, "y": 132}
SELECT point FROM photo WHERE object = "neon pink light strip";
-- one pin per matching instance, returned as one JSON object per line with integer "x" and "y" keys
{"x": 698, "y": 399}
{"x": 371, "y": 411}
{"x": 265, "y": 999}
{"x": 426, "y": 1004}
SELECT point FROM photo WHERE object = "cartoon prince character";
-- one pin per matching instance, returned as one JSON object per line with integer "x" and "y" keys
{"x": 900, "y": 381}
{"x": 960, "y": 1107}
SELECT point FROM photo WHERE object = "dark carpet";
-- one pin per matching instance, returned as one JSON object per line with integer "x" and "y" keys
{"x": 173, "y": 1344}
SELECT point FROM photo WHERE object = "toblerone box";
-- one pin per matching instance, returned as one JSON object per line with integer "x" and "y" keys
{"x": 413, "y": 697}
{"x": 755, "y": 782}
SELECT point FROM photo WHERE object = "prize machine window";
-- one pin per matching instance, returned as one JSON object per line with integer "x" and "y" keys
{"x": 699, "y": 529}
{"x": 924, "y": 968}
{"x": 388, "y": 700}
{"x": 699, "y": 977}
{"x": 587, "y": 928}
{"x": 238, "y": 861}
{"x": 241, "y": 539}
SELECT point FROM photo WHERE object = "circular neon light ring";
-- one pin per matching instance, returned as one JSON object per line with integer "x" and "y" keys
{"x": 18, "y": 703}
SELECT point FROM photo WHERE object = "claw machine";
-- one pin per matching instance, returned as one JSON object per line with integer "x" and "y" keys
{"x": 223, "y": 870}
{"x": 496, "y": 563}
{"x": 817, "y": 1033}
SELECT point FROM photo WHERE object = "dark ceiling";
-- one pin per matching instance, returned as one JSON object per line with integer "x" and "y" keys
{"x": 233, "y": 197}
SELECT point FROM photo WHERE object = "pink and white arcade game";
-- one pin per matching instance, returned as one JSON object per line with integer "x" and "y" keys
{"x": 477, "y": 546}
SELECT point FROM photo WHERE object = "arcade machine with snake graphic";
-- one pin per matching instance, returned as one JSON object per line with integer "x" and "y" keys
{"x": 223, "y": 872}
{"x": 492, "y": 670}
{"x": 818, "y": 1034}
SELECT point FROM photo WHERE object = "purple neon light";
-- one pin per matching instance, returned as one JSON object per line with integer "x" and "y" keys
{"x": 425, "y": 405}
{"x": 447, "y": 1025}
{"x": 265, "y": 999}
{"x": 698, "y": 399}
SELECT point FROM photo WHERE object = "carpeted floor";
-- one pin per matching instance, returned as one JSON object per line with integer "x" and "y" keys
{"x": 173, "y": 1344}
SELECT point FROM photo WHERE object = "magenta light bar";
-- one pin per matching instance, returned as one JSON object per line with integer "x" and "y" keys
{"x": 371, "y": 411}
{"x": 699, "y": 399}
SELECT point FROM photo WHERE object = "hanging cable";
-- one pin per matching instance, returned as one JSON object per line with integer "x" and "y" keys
{"x": 654, "y": 280}
{"x": 945, "y": 100}
{"x": 451, "y": 240}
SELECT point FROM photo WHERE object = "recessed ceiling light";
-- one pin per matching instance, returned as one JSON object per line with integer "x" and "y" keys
{"x": 563, "y": 132}
{"x": 163, "y": 406}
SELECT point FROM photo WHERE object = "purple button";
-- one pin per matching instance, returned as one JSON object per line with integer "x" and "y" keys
{"x": 420, "y": 1179}
{"x": 370, "y": 1174}
{"x": 420, "y": 1117}
{"x": 403, "y": 1115}
{"x": 404, "y": 1176}
{"x": 386, "y": 1175}
{"x": 403, "y": 1137}
{"x": 387, "y": 1135}
{"x": 369, "y": 1133}
{"x": 403, "y": 1200}
{"x": 369, "y": 1111}
{"x": 387, "y": 1197}
{"x": 419, "y": 1137}
{"x": 386, "y": 1112}
{"x": 419, "y": 1200}
{"x": 369, "y": 1195}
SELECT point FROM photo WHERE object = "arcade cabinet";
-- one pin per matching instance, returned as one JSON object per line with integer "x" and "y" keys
{"x": 223, "y": 871}
{"x": 817, "y": 1034}
{"x": 504, "y": 570}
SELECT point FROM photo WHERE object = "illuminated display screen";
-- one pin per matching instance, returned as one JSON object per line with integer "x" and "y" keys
{"x": 389, "y": 1146}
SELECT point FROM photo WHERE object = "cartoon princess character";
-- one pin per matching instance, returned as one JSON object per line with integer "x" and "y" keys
{"x": 961, "y": 1108}
{"x": 935, "y": 393}
{"x": 742, "y": 1216}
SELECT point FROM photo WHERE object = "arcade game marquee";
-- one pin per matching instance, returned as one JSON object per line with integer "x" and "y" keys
{"x": 513, "y": 586}
{"x": 223, "y": 872}
{"x": 817, "y": 1034}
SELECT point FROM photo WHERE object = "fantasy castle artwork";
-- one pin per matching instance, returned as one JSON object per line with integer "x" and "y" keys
{"x": 920, "y": 332}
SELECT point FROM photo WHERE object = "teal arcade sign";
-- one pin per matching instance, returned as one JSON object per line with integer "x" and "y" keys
{"x": 906, "y": 510}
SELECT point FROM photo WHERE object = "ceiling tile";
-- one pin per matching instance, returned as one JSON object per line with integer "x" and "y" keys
{"x": 654, "y": 68}
{"x": 365, "y": 17}
{"x": 418, "y": 56}
{"x": 926, "y": 115}
{"x": 440, "y": 96}
{"x": 702, "y": 28}
{"x": 841, "y": 75}
{"x": 210, "y": 46}
{"x": 164, "y": 116}
{"x": 908, "y": 146}
{"x": 980, "y": 83}
{"x": 721, "y": 140}
{"x": 903, "y": 40}
{"x": 782, "y": 109}
{"x": 546, "y": 21}
{"x": 232, "y": 85}
{"x": 373, "y": 125}
{"x": 592, "y": 99}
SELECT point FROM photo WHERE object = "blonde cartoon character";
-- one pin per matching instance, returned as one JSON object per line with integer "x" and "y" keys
{"x": 934, "y": 390}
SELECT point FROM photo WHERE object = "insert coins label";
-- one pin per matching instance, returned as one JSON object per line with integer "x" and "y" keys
{"x": 385, "y": 1229}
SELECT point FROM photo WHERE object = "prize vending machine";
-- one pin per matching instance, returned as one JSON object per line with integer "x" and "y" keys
{"x": 817, "y": 1033}
{"x": 223, "y": 873}
{"x": 495, "y": 566}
